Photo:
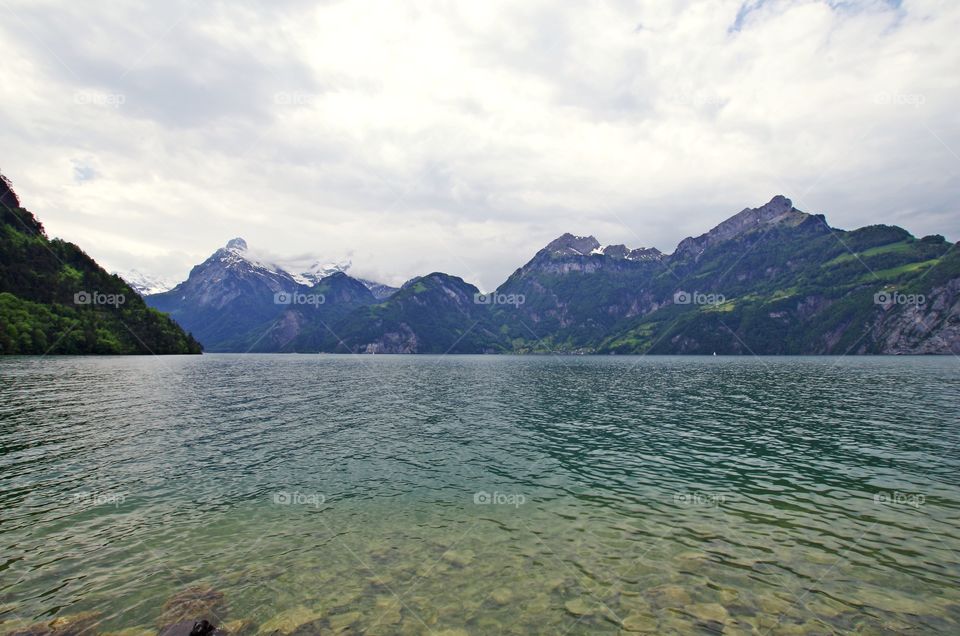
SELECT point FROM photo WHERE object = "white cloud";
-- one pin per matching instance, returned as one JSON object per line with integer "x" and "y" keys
{"x": 462, "y": 137}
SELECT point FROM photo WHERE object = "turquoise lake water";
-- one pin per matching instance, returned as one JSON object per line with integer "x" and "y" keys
{"x": 484, "y": 494}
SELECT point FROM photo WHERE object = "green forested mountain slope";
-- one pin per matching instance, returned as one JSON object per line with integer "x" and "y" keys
{"x": 54, "y": 299}
{"x": 768, "y": 280}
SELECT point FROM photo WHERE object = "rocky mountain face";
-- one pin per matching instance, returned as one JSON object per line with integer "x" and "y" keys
{"x": 235, "y": 301}
{"x": 437, "y": 313}
{"x": 778, "y": 212}
{"x": 379, "y": 290}
{"x": 305, "y": 323}
{"x": 768, "y": 280}
{"x": 793, "y": 285}
{"x": 54, "y": 299}
{"x": 931, "y": 327}
{"x": 225, "y": 296}
{"x": 573, "y": 289}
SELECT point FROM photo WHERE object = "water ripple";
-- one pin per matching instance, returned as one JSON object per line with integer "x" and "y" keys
{"x": 804, "y": 494}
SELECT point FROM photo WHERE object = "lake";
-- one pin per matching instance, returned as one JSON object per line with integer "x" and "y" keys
{"x": 483, "y": 494}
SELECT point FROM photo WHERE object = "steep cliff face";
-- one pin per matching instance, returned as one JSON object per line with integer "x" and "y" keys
{"x": 779, "y": 211}
{"x": 573, "y": 289}
{"x": 401, "y": 339}
{"x": 928, "y": 327}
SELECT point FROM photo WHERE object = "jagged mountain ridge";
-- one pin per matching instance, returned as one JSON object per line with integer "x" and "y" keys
{"x": 231, "y": 299}
{"x": 437, "y": 313}
{"x": 782, "y": 281}
{"x": 778, "y": 211}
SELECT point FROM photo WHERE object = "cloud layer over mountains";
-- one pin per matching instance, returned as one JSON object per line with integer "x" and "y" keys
{"x": 454, "y": 136}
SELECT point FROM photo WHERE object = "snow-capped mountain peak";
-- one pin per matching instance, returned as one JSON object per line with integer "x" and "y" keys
{"x": 624, "y": 252}
{"x": 237, "y": 244}
{"x": 236, "y": 252}
{"x": 235, "y": 266}
{"x": 319, "y": 270}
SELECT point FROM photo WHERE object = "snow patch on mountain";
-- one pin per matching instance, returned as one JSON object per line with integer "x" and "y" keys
{"x": 237, "y": 256}
{"x": 379, "y": 290}
{"x": 571, "y": 245}
{"x": 144, "y": 284}
{"x": 317, "y": 271}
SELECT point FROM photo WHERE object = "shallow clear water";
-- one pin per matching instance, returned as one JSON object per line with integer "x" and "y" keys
{"x": 667, "y": 494}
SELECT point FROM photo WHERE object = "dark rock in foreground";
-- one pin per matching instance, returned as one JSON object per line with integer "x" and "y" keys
{"x": 193, "y": 605}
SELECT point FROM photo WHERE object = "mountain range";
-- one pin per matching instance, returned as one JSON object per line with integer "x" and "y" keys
{"x": 768, "y": 280}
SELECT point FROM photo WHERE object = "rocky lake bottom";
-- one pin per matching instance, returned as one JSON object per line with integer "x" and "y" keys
{"x": 452, "y": 495}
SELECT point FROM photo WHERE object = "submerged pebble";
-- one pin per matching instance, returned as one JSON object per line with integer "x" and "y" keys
{"x": 343, "y": 598}
{"x": 80, "y": 624}
{"x": 640, "y": 623}
{"x": 340, "y": 622}
{"x": 773, "y": 605}
{"x": 460, "y": 559}
{"x": 288, "y": 621}
{"x": 669, "y": 595}
{"x": 502, "y": 596}
{"x": 240, "y": 627}
{"x": 579, "y": 607}
{"x": 390, "y": 616}
{"x": 708, "y": 612}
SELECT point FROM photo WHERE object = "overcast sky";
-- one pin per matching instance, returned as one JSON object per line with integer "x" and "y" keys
{"x": 412, "y": 137}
